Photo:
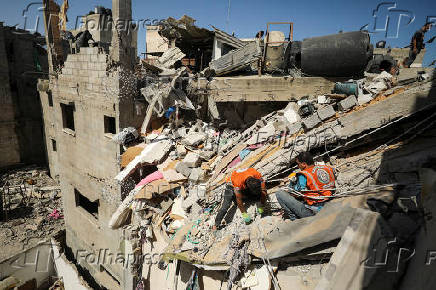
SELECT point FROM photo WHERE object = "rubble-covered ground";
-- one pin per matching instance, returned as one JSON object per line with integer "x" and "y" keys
{"x": 174, "y": 172}
{"x": 32, "y": 209}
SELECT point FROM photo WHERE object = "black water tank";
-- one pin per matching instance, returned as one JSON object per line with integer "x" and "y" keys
{"x": 337, "y": 55}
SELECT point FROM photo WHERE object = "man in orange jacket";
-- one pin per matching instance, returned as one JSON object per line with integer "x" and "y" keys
{"x": 314, "y": 181}
{"x": 242, "y": 185}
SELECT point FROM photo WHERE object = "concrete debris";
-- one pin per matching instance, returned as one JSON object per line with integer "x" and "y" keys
{"x": 184, "y": 169}
{"x": 28, "y": 196}
{"x": 170, "y": 57}
{"x": 326, "y": 112}
{"x": 237, "y": 60}
{"x": 381, "y": 82}
{"x": 181, "y": 151}
{"x": 192, "y": 159}
{"x": 194, "y": 138}
{"x": 197, "y": 174}
{"x": 348, "y": 103}
{"x": 152, "y": 154}
{"x": 311, "y": 122}
{"x": 126, "y": 136}
{"x": 202, "y": 105}
{"x": 364, "y": 98}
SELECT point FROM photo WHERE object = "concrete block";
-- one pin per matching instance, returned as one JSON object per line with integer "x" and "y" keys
{"x": 183, "y": 169}
{"x": 291, "y": 113}
{"x": 194, "y": 138}
{"x": 197, "y": 174}
{"x": 192, "y": 159}
{"x": 347, "y": 103}
{"x": 181, "y": 150}
{"x": 326, "y": 112}
{"x": 294, "y": 128}
{"x": 363, "y": 99}
{"x": 311, "y": 121}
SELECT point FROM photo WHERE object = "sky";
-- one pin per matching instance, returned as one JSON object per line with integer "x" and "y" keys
{"x": 246, "y": 17}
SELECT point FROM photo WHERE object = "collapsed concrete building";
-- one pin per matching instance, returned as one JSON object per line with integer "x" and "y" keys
{"x": 142, "y": 151}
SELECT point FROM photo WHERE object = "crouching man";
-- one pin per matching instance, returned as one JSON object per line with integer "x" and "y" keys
{"x": 312, "y": 181}
{"x": 242, "y": 186}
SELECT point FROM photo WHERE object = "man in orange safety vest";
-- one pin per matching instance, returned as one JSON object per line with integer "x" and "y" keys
{"x": 313, "y": 182}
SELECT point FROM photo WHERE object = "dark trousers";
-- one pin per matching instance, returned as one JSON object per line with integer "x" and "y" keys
{"x": 411, "y": 58}
{"x": 229, "y": 199}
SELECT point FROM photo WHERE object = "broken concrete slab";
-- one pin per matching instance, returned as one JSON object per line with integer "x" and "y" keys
{"x": 184, "y": 169}
{"x": 263, "y": 89}
{"x": 347, "y": 103}
{"x": 194, "y": 138}
{"x": 345, "y": 269}
{"x": 263, "y": 134}
{"x": 328, "y": 225}
{"x": 172, "y": 175}
{"x": 294, "y": 128}
{"x": 363, "y": 99}
{"x": 156, "y": 187}
{"x": 236, "y": 60}
{"x": 170, "y": 57}
{"x": 192, "y": 159}
{"x": 326, "y": 112}
{"x": 153, "y": 153}
{"x": 197, "y": 174}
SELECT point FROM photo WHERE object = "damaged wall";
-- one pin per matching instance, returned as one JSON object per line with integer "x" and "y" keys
{"x": 85, "y": 111}
{"x": 23, "y": 61}
{"x": 85, "y": 104}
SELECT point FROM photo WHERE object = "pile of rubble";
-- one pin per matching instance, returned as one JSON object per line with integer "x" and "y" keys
{"x": 175, "y": 167}
{"x": 32, "y": 209}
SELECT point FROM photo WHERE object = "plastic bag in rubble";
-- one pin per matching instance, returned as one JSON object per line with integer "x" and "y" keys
{"x": 126, "y": 136}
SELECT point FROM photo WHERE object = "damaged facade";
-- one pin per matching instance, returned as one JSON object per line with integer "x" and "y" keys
{"x": 23, "y": 61}
{"x": 143, "y": 149}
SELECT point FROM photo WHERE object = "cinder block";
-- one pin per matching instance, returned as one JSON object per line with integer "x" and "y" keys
{"x": 183, "y": 169}
{"x": 347, "y": 103}
{"x": 311, "y": 121}
{"x": 326, "y": 112}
